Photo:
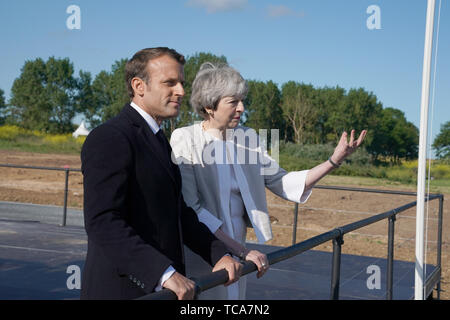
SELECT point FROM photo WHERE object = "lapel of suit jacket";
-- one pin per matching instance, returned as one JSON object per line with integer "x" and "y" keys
{"x": 150, "y": 139}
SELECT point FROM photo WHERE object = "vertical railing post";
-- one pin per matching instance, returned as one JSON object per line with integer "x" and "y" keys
{"x": 336, "y": 267}
{"x": 294, "y": 229}
{"x": 390, "y": 260}
{"x": 66, "y": 191}
{"x": 439, "y": 242}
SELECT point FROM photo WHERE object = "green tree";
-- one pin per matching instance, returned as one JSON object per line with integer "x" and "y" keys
{"x": 263, "y": 107}
{"x": 441, "y": 143}
{"x": 86, "y": 101}
{"x": 109, "y": 93}
{"x": 43, "y": 96}
{"x": 358, "y": 110}
{"x": 2, "y": 107}
{"x": 327, "y": 103}
{"x": 395, "y": 137}
{"x": 299, "y": 111}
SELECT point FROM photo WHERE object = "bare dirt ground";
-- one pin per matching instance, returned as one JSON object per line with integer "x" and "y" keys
{"x": 325, "y": 210}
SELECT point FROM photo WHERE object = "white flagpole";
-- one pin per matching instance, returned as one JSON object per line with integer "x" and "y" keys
{"x": 420, "y": 216}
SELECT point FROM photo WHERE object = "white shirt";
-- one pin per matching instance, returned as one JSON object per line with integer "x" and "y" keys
{"x": 148, "y": 118}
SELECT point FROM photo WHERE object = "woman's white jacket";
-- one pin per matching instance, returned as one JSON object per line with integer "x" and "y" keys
{"x": 206, "y": 188}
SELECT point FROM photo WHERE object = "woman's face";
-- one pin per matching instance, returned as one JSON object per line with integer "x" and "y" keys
{"x": 228, "y": 113}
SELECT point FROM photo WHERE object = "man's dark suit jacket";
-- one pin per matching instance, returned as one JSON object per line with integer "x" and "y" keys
{"x": 135, "y": 216}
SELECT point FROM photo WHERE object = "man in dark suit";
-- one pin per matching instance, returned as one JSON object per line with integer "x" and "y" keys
{"x": 135, "y": 217}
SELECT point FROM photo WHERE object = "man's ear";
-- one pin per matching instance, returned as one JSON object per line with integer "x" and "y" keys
{"x": 138, "y": 86}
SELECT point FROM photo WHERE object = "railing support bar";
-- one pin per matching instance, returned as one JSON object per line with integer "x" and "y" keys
{"x": 336, "y": 267}
{"x": 66, "y": 191}
{"x": 390, "y": 260}
{"x": 439, "y": 242}
{"x": 294, "y": 229}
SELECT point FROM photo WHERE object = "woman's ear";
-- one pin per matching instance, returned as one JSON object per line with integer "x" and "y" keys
{"x": 209, "y": 111}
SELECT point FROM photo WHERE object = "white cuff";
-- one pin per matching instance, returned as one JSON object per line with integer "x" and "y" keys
{"x": 305, "y": 195}
{"x": 166, "y": 275}
{"x": 209, "y": 220}
{"x": 294, "y": 186}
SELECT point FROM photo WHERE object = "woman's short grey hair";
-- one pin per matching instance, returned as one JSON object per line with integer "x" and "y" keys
{"x": 214, "y": 82}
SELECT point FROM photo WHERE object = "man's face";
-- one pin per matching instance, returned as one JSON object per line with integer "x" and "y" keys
{"x": 163, "y": 94}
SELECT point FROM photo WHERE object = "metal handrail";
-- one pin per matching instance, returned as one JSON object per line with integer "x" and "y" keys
{"x": 294, "y": 226}
{"x": 6, "y": 165}
{"x": 216, "y": 278}
{"x": 405, "y": 193}
{"x": 66, "y": 169}
{"x": 220, "y": 277}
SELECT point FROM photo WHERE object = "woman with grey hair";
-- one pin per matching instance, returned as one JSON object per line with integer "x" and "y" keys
{"x": 225, "y": 170}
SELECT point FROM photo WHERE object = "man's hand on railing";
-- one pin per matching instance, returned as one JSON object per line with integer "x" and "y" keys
{"x": 183, "y": 287}
{"x": 233, "y": 268}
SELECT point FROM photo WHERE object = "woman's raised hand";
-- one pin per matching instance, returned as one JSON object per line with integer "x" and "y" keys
{"x": 345, "y": 147}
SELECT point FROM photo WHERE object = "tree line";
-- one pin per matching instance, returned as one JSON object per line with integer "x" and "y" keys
{"x": 48, "y": 95}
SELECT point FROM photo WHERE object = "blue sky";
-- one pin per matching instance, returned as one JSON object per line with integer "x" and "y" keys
{"x": 325, "y": 42}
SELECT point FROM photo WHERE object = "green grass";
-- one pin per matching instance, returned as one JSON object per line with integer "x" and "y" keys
{"x": 436, "y": 186}
{"x": 403, "y": 176}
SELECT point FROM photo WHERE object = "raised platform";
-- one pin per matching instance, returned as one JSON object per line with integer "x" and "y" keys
{"x": 41, "y": 261}
{"x": 308, "y": 277}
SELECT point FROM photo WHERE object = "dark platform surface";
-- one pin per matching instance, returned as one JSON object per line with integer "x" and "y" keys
{"x": 35, "y": 257}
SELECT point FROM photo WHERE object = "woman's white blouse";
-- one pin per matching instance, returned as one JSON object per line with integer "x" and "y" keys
{"x": 221, "y": 190}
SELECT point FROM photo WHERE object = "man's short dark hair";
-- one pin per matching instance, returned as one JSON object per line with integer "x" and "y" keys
{"x": 137, "y": 65}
